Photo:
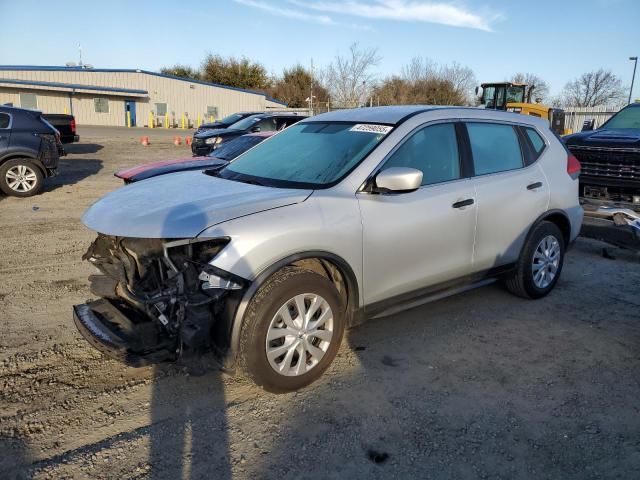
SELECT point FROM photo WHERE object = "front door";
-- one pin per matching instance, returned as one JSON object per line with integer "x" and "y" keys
{"x": 130, "y": 107}
{"x": 419, "y": 239}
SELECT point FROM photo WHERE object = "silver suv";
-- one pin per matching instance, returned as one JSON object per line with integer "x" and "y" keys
{"x": 341, "y": 217}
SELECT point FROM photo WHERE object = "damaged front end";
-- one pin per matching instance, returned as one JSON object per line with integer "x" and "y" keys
{"x": 157, "y": 298}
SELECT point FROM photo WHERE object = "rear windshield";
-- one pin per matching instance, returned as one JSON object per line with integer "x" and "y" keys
{"x": 307, "y": 155}
{"x": 625, "y": 118}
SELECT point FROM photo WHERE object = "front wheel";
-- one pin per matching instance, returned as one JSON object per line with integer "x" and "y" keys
{"x": 292, "y": 330}
{"x": 20, "y": 177}
{"x": 540, "y": 262}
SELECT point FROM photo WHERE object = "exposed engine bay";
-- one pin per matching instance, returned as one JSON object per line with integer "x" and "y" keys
{"x": 157, "y": 298}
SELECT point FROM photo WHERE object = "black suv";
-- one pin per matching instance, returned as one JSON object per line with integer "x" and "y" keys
{"x": 226, "y": 121}
{"x": 29, "y": 151}
{"x": 205, "y": 142}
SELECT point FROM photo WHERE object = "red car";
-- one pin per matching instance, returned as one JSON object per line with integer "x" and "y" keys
{"x": 219, "y": 157}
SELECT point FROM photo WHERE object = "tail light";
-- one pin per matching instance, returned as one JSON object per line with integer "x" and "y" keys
{"x": 573, "y": 167}
{"x": 73, "y": 125}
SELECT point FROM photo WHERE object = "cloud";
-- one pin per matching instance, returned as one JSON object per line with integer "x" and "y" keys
{"x": 406, "y": 10}
{"x": 287, "y": 12}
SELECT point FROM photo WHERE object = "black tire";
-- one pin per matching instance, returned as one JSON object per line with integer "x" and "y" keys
{"x": 20, "y": 162}
{"x": 270, "y": 297}
{"x": 521, "y": 282}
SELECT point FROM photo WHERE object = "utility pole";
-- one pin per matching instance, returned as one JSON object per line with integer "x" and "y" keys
{"x": 80, "y": 53}
{"x": 635, "y": 64}
{"x": 311, "y": 91}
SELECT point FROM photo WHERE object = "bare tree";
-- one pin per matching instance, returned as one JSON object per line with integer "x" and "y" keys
{"x": 462, "y": 78}
{"x": 350, "y": 78}
{"x": 419, "y": 68}
{"x": 540, "y": 87}
{"x": 591, "y": 89}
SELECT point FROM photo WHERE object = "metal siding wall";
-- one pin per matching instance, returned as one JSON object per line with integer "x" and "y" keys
{"x": 177, "y": 94}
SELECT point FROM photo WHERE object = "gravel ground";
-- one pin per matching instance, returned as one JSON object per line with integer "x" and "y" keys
{"x": 482, "y": 385}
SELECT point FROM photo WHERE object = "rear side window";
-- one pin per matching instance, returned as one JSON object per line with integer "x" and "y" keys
{"x": 495, "y": 148}
{"x": 433, "y": 150}
{"x": 4, "y": 120}
{"x": 536, "y": 141}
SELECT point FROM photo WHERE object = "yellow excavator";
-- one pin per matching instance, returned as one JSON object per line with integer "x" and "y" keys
{"x": 516, "y": 97}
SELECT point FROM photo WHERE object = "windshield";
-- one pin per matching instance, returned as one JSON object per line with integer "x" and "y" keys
{"x": 515, "y": 94}
{"x": 245, "y": 123}
{"x": 231, "y": 118}
{"x": 231, "y": 149}
{"x": 308, "y": 155}
{"x": 625, "y": 118}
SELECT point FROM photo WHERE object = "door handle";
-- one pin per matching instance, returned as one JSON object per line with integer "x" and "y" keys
{"x": 463, "y": 203}
{"x": 533, "y": 186}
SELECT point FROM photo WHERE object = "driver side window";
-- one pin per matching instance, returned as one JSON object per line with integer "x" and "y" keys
{"x": 433, "y": 150}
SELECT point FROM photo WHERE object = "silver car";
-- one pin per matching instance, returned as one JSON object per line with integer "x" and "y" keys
{"x": 342, "y": 217}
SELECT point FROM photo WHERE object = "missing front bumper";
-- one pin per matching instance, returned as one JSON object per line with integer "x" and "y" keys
{"x": 111, "y": 332}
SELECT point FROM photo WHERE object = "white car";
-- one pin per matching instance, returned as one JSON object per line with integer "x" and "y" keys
{"x": 341, "y": 217}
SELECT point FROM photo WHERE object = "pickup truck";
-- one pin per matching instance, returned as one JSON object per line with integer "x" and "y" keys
{"x": 610, "y": 177}
{"x": 65, "y": 124}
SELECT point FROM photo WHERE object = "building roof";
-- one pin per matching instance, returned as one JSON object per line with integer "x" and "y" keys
{"x": 38, "y": 68}
{"x": 73, "y": 87}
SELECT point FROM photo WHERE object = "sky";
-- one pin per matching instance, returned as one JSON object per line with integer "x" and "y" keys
{"x": 555, "y": 39}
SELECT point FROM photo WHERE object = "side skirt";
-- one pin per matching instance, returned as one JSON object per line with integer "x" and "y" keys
{"x": 432, "y": 293}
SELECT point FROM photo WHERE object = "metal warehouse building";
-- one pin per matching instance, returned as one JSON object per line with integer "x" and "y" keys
{"x": 98, "y": 96}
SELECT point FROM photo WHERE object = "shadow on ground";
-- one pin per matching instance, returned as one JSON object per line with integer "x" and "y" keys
{"x": 82, "y": 148}
{"x": 14, "y": 458}
{"x": 72, "y": 171}
{"x": 189, "y": 432}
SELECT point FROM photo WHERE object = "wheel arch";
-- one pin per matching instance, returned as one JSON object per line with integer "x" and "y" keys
{"x": 13, "y": 155}
{"x": 342, "y": 266}
{"x": 558, "y": 218}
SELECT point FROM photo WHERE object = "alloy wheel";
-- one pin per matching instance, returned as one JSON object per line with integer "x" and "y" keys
{"x": 546, "y": 260}
{"x": 299, "y": 334}
{"x": 21, "y": 178}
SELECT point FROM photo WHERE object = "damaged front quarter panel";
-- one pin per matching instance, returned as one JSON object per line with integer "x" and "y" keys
{"x": 157, "y": 298}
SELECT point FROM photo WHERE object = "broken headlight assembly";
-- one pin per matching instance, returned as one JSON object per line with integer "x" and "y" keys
{"x": 156, "y": 296}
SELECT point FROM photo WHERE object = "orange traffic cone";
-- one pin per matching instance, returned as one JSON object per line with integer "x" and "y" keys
{"x": 187, "y": 140}
{"x": 145, "y": 141}
{"x": 177, "y": 141}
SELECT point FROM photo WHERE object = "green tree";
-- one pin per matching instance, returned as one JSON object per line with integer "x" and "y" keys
{"x": 181, "y": 71}
{"x": 234, "y": 72}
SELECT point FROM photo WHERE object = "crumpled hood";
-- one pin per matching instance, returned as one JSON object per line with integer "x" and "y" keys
{"x": 182, "y": 205}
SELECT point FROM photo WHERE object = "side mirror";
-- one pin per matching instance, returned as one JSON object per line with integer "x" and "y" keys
{"x": 398, "y": 179}
{"x": 588, "y": 125}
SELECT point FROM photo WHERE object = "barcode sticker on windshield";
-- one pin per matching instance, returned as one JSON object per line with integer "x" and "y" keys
{"x": 371, "y": 128}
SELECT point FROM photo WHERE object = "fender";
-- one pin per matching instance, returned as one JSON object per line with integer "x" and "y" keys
{"x": 261, "y": 278}
{"x": 543, "y": 217}
{"x": 13, "y": 152}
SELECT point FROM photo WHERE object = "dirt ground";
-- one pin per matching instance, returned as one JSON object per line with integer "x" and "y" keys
{"x": 482, "y": 385}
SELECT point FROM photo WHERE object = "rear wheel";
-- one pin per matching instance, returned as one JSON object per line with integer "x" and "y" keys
{"x": 540, "y": 262}
{"x": 292, "y": 330}
{"x": 20, "y": 177}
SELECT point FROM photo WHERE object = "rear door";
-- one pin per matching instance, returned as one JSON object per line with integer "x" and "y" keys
{"x": 416, "y": 240}
{"x": 511, "y": 195}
